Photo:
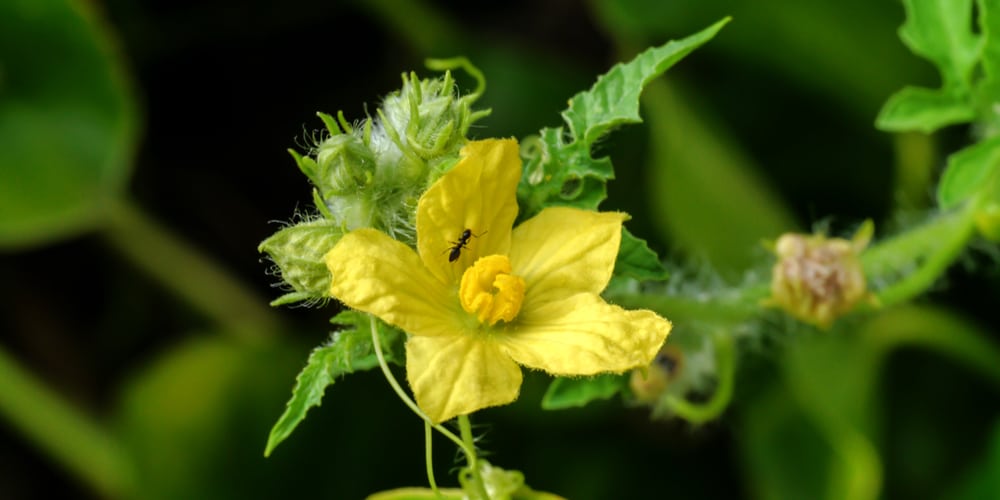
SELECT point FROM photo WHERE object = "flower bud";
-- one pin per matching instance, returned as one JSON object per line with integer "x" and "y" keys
{"x": 343, "y": 165}
{"x": 818, "y": 279}
{"x": 428, "y": 116}
{"x": 298, "y": 253}
{"x": 372, "y": 174}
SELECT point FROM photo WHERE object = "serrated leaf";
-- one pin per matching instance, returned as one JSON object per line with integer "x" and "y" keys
{"x": 67, "y": 121}
{"x": 559, "y": 169}
{"x": 926, "y": 110}
{"x": 572, "y": 392}
{"x": 614, "y": 98}
{"x": 637, "y": 260}
{"x": 298, "y": 252}
{"x": 349, "y": 350}
{"x": 941, "y": 31}
{"x": 969, "y": 171}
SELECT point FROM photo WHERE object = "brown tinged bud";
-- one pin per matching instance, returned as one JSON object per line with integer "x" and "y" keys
{"x": 818, "y": 279}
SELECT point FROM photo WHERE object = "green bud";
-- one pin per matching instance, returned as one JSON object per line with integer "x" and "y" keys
{"x": 343, "y": 165}
{"x": 372, "y": 174}
{"x": 298, "y": 252}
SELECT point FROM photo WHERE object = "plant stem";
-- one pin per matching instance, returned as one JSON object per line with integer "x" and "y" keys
{"x": 470, "y": 454}
{"x": 185, "y": 271}
{"x": 733, "y": 306}
{"x": 921, "y": 255}
{"x": 64, "y": 433}
{"x": 429, "y": 457}
{"x": 725, "y": 359}
{"x": 402, "y": 394}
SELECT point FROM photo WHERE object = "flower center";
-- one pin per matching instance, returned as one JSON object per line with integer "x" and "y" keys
{"x": 490, "y": 291}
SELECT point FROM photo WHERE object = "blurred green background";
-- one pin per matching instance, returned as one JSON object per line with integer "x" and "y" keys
{"x": 143, "y": 158}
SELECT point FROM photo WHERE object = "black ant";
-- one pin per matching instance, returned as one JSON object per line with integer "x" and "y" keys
{"x": 456, "y": 251}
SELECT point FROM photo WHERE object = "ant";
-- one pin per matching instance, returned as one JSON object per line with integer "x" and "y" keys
{"x": 456, "y": 251}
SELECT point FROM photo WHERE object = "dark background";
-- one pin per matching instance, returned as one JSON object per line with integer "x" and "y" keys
{"x": 226, "y": 87}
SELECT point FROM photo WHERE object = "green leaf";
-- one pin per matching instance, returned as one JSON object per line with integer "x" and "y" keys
{"x": 941, "y": 31}
{"x": 524, "y": 493}
{"x": 349, "y": 350}
{"x": 67, "y": 121}
{"x": 837, "y": 38}
{"x": 418, "y": 494}
{"x": 637, "y": 260}
{"x": 298, "y": 252}
{"x": 989, "y": 27}
{"x": 614, "y": 98}
{"x": 572, "y": 392}
{"x": 969, "y": 171}
{"x": 926, "y": 110}
{"x": 559, "y": 168}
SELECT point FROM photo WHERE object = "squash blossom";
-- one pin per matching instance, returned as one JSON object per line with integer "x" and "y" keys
{"x": 478, "y": 298}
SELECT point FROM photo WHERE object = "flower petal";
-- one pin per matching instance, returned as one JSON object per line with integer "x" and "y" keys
{"x": 480, "y": 195}
{"x": 583, "y": 335}
{"x": 459, "y": 374}
{"x": 563, "y": 251}
{"x": 376, "y": 274}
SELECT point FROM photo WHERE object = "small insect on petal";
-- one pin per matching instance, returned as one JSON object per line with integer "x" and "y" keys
{"x": 462, "y": 242}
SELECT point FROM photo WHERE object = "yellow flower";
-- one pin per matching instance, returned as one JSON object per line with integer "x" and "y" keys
{"x": 478, "y": 297}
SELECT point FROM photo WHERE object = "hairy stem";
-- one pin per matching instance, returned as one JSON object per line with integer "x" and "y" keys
{"x": 920, "y": 255}
{"x": 470, "y": 454}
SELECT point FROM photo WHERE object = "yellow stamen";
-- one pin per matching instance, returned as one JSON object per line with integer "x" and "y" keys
{"x": 490, "y": 291}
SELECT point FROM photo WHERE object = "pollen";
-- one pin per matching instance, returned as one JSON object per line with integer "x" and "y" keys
{"x": 490, "y": 290}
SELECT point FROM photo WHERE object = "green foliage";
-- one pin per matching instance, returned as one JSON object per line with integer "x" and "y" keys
{"x": 372, "y": 173}
{"x": 971, "y": 171}
{"x": 67, "y": 121}
{"x": 636, "y": 260}
{"x": 559, "y": 169}
{"x": 298, "y": 252}
{"x": 566, "y": 392}
{"x": 419, "y": 494}
{"x": 926, "y": 110}
{"x": 969, "y": 62}
{"x": 524, "y": 493}
{"x": 836, "y": 37}
{"x": 349, "y": 350}
{"x": 942, "y": 32}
